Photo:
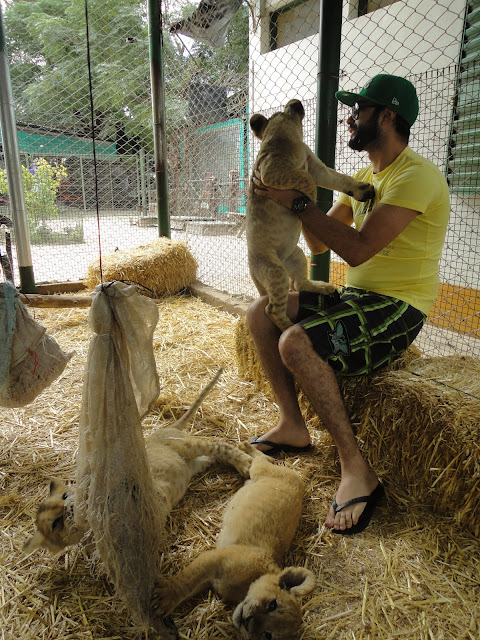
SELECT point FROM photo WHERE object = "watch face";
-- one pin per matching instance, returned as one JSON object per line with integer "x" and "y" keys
{"x": 300, "y": 204}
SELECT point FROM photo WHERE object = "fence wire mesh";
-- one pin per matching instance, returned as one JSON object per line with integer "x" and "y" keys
{"x": 218, "y": 72}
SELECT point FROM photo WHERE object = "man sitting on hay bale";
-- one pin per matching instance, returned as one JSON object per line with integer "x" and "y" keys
{"x": 392, "y": 251}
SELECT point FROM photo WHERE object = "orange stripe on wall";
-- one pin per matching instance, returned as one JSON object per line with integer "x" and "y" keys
{"x": 457, "y": 308}
{"x": 338, "y": 273}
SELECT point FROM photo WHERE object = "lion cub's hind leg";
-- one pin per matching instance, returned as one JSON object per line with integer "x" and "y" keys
{"x": 296, "y": 265}
{"x": 194, "y": 447}
{"x": 254, "y": 452}
{"x": 199, "y": 464}
{"x": 275, "y": 278}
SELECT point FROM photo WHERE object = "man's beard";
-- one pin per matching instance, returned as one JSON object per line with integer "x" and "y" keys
{"x": 365, "y": 134}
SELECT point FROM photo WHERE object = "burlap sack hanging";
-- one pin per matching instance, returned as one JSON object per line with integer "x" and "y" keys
{"x": 114, "y": 491}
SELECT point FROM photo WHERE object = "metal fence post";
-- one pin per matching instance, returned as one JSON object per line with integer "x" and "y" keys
{"x": 330, "y": 30}
{"x": 14, "y": 170}
{"x": 158, "y": 112}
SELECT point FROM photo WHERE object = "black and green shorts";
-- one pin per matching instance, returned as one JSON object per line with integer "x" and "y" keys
{"x": 358, "y": 331}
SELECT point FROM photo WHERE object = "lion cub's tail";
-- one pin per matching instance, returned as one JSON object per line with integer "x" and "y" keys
{"x": 180, "y": 423}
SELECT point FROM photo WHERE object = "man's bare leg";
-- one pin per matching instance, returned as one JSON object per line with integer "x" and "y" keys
{"x": 319, "y": 382}
{"x": 290, "y": 428}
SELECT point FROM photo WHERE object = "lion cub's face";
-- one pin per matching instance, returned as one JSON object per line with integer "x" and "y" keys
{"x": 271, "y": 610}
{"x": 55, "y": 523}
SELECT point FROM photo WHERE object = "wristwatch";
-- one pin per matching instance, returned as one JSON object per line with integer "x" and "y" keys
{"x": 300, "y": 204}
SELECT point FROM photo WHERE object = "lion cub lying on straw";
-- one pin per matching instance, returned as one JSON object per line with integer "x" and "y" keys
{"x": 272, "y": 230}
{"x": 258, "y": 527}
{"x": 174, "y": 458}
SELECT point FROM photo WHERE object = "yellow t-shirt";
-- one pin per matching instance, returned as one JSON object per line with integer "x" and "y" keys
{"x": 407, "y": 268}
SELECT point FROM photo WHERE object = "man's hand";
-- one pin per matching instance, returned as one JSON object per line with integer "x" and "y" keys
{"x": 283, "y": 197}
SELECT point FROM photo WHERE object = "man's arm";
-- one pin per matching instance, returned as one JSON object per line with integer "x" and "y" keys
{"x": 338, "y": 211}
{"x": 355, "y": 246}
{"x": 380, "y": 227}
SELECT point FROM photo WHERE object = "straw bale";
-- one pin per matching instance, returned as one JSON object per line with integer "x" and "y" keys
{"x": 417, "y": 422}
{"x": 411, "y": 575}
{"x": 163, "y": 266}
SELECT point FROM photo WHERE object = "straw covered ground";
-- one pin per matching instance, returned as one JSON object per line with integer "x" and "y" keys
{"x": 412, "y": 574}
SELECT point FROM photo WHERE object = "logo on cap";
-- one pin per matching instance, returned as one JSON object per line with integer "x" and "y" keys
{"x": 395, "y": 101}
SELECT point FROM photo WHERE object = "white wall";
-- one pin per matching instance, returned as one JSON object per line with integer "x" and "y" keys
{"x": 407, "y": 37}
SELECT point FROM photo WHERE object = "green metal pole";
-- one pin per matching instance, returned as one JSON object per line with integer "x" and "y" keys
{"x": 158, "y": 112}
{"x": 330, "y": 31}
{"x": 14, "y": 170}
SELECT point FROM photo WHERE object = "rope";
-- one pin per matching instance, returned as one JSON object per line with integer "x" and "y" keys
{"x": 92, "y": 117}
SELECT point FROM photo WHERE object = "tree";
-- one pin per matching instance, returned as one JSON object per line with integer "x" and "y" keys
{"x": 41, "y": 183}
{"x": 230, "y": 62}
{"x": 47, "y": 48}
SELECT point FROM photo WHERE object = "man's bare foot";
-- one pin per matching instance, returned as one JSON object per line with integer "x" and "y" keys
{"x": 351, "y": 486}
{"x": 282, "y": 435}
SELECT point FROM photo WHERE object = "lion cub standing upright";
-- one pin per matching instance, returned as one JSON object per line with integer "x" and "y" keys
{"x": 244, "y": 568}
{"x": 272, "y": 230}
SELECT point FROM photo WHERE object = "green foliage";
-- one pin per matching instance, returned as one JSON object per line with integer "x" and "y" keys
{"x": 47, "y": 49}
{"x": 40, "y": 185}
{"x": 225, "y": 66}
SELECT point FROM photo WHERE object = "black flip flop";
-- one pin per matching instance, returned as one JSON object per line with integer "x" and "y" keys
{"x": 371, "y": 503}
{"x": 276, "y": 447}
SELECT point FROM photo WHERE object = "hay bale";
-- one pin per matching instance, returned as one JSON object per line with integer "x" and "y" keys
{"x": 417, "y": 424}
{"x": 164, "y": 266}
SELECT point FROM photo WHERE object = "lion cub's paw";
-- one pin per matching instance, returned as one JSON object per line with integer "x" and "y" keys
{"x": 252, "y": 451}
{"x": 326, "y": 287}
{"x": 318, "y": 286}
{"x": 248, "y": 448}
{"x": 164, "y": 598}
{"x": 363, "y": 192}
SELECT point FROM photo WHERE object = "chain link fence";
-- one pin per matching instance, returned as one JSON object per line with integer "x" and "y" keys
{"x": 248, "y": 58}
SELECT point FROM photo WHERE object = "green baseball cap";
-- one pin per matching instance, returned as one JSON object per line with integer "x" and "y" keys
{"x": 394, "y": 92}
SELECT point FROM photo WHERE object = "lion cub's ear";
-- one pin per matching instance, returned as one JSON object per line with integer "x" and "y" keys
{"x": 258, "y": 124}
{"x": 36, "y": 541}
{"x": 296, "y": 106}
{"x": 56, "y": 485}
{"x": 297, "y": 580}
